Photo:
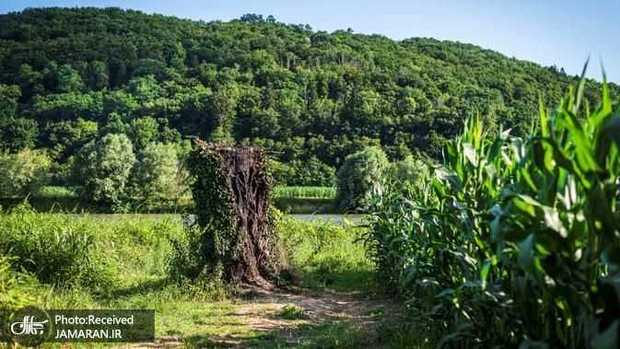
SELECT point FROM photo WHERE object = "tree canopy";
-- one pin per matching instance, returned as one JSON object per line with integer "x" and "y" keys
{"x": 68, "y": 75}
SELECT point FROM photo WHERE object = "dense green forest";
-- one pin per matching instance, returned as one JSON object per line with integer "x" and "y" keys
{"x": 69, "y": 77}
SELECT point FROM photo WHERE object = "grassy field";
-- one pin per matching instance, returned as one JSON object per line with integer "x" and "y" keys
{"x": 305, "y": 199}
{"x": 47, "y": 192}
{"x": 289, "y": 199}
{"x": 305, "y": 192}
{"x": 129, "y": 254}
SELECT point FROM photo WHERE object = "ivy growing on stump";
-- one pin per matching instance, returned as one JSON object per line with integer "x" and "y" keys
{"x": 231, "y": 194}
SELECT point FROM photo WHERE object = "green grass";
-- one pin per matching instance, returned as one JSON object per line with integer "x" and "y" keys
{"x": 56, "y": 192}
{"x": 327, "y": 255}
{"x": 292, "y": 312}
{"x": 316, "y": 336}
{"x": 67, "y": 199}
{"x": 59, "y": 198}
{"x": 139, "y": 246}
{"x": 203, "y": 314}
{"x": 304, "y": 192}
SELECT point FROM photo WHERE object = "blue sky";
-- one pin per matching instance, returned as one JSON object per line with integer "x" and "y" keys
{"x": 549, "y": 32}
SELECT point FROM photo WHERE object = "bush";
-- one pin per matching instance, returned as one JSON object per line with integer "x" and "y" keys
{"x": 23, "y": 172}
{"x": 408, "y": 170}
{"x": 360, "y": 177}
{"x": 104, "y": 168}
{"x": 280, "y": 172}
{"x": 186, "y": 260}
{"x": 311, "y": 172}
{"x": 157, "y": 181}
{"x": 56, "y": 249}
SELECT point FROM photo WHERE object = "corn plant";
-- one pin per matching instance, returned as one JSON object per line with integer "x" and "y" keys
{"x": 432, "y": 242}
{"x": 559, "y": 225}
{"x": 512, "y": 241}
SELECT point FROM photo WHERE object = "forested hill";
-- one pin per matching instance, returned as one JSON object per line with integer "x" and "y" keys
{"x": 71, "y": 75}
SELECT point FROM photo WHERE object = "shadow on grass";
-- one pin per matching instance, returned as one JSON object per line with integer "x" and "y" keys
{"x": 145, "y": 287}
{"x": 341, "y": 281}
{"x": 337, "y": 334}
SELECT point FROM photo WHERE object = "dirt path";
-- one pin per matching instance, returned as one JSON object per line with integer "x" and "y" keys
{"x": 311, "y": 314}
{"x": 264, "y": 311}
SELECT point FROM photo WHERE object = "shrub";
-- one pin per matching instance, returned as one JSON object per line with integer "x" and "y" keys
{"x": 186, "y": 258}
{"x": 360, "y": 177}
{"x": 104, "y": 168}
{"x": 23, "y": 172}
{"x": 280, "y": 172}
{"x": 311, "y": 172}
{"x": 157, "y": 180}
{"x": 407, "y": 170}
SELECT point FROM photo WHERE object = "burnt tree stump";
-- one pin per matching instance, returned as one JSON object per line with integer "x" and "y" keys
{"x": 231, "y": 195}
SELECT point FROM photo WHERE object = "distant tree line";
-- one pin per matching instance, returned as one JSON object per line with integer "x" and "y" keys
{"x": 78, "y": 83}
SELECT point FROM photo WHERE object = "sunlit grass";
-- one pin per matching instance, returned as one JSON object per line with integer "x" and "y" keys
{"x": 206, "y": 314}
{"x": 304, "y": 192}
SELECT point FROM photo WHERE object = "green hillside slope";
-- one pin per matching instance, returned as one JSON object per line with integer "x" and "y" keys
{"x": 68, "y": 76}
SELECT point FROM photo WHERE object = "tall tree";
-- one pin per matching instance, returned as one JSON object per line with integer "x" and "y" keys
{"x": 104, "y": 166}
{"x": 158, "y": 182}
